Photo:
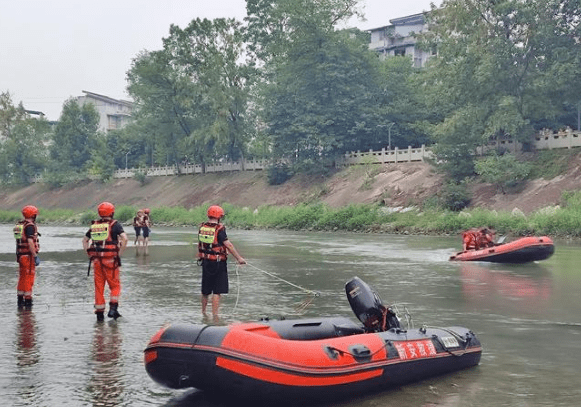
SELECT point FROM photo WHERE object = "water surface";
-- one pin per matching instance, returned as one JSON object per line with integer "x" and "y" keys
{"x": 528, "y": 317}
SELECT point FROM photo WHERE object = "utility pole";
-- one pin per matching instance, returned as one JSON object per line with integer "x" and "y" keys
{"x": 389, "y": 134}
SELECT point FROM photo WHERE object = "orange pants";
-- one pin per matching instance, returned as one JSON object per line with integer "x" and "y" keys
{"x": 26, "y": 276}
{"x": 106, "y": 270}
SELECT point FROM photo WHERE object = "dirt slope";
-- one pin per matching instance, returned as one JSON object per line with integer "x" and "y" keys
{"x": 393, "y": 185}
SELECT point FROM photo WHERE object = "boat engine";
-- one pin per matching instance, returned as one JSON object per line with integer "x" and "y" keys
{"x": 367, "y": 306}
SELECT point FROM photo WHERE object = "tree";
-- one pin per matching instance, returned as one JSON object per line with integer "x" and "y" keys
{"x": 75, "y": 137}
{"x": 403, "y": 105}
{"x": 321, "y": 90}
{"x": 193, "y": 94}
{"x": 22, "y": 142}
{"x": 502, "y": 67}
{"x": 273, "y": 27}
{"x": 504, "y": 171}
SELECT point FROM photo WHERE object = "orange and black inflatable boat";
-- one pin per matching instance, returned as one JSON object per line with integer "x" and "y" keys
{"x": 304, "y": 359}
{"x": 523, "y": 250}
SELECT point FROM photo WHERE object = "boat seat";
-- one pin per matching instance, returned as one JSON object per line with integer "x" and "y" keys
{"x": 315, "y": 328}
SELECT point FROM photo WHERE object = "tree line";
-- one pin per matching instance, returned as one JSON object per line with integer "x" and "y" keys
{"x": 289, "y": 85}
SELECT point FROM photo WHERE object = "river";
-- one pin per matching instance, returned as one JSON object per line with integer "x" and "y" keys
{"x": 528, "y": 317}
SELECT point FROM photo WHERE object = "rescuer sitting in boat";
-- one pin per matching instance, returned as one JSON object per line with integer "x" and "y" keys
{"x": 478, "y": 238}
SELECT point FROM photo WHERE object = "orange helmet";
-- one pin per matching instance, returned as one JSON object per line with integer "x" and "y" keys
{"x": 215, "y": 211}
{"x": 146, "y": 210}
{"x": 106, "y": 209}
{"x": 29, "y": 211}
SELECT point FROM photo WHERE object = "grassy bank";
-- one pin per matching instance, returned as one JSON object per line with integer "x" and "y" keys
{"x": 558, "y": 221}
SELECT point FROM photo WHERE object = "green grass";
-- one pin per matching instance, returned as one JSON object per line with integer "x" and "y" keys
{"x": 559, "y": 221}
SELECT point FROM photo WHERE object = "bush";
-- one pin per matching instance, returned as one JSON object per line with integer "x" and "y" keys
{"x": 455, "y": 196}
{"x": 142, "y": 178}
{"x": 278, "y": 173}
{"x": 504, "y": 171}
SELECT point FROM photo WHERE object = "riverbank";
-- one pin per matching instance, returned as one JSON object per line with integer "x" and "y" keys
{"x": 391, "y": 185}
{"x": 366, "y": 198}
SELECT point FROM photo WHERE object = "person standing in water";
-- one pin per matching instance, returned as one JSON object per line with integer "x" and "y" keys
{"x": 213, "y": 249}
{"x": 27, "y": 247}
{"x": 104, "y": 243}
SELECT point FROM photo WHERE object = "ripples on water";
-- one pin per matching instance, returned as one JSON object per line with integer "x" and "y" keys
{"x": 528, "y": 317}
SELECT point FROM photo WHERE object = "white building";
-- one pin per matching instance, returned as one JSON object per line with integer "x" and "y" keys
{"x": 114, "y": 114}
{"x": 398, "y": 38}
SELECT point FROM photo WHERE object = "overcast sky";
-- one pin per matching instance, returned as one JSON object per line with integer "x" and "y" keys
{"x": 52, "y": 50}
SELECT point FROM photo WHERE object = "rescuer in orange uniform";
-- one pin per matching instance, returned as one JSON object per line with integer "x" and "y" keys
{"x": 104, "y": 243}
{"x": 470, "y": 239}
{"x": 213, "y": 249}
{"x": 476, "y": 239}
{"x": 27, "y": 246}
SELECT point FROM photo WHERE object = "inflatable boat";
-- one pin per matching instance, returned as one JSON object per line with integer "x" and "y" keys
{"x": 523, "y": 250}
{"x": 315, "y": 358}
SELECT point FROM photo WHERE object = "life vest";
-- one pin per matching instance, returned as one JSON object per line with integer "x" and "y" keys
{"x": 139, "y": 221}
{"x": 102, "y": 245}
{"x": 208, "y": 246}
{"x": 484, "y": 239}
{"x": 19, "y": 230}
{"x": 470, "y": 238}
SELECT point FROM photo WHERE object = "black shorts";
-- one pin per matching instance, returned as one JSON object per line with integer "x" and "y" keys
{"x": 139, "y": 230}
{"x": 214, "y": 277}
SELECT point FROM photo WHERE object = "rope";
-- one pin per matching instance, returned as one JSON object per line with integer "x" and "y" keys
{"x": 237, "y": 289}
{"x": 299, "y": 309}
{"x": 315, "y": 293}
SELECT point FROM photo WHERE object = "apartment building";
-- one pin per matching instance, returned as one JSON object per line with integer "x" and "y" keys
{"x": 114, "y": 114}
{"x": 399, "y": 38}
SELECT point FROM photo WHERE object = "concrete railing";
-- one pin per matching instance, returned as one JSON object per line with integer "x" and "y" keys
{"x": 545, "y": 140}
{"x": 385, "y": 156}
{"x": 353, "y": 158}
{"x": 542, "y": 141}
{"x": 244, "y": 165}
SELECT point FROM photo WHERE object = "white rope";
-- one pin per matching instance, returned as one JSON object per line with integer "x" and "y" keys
{"x": 237, "y": 289}
{"x": 315, "y": 293}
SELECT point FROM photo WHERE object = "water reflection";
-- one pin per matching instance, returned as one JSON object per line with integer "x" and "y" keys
{"x": 106, "y": 381}
{"x": 523, "y": 288}
{"x": 27, "y": 353}
{"x": 142, "y": 256}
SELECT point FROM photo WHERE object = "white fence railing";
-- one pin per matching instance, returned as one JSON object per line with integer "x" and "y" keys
{"x": 545, "y": 140}
{"x": 244, "y": 165}
{"x": 542, "y": 141}
{"x": 385, "y": 156}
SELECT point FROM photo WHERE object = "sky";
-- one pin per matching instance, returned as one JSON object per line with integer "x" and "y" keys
{"x": 53, "y": 50}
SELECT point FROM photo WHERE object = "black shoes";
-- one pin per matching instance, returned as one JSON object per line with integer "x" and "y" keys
{"x": 100, "y": 316}
{"x": 113, "y": 313}
{"x": 27, "y": 302}
{"x": 20, "y": 301}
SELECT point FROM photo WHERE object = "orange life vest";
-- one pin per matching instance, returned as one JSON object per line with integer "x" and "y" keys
{"x": 470, "y": 238}
{"x": 208, "y": 246}
{"x": 22, "y": 247}
{"x": 102, "y": 245}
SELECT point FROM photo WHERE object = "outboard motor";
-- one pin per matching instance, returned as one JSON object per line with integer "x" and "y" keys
{"x": 367, "y": 306}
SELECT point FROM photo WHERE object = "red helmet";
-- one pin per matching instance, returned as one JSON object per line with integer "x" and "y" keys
{"x": 29, "y": 211}
{"x": 106, "y": 209}
{"x": 215, "y": 211}
{"x": 146, "y": 210}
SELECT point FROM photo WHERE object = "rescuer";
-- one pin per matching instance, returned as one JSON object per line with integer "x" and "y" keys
{"x": 104, "y": 243}
{"x": 213, "y": 249}
{"x": 27, "y": 247}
